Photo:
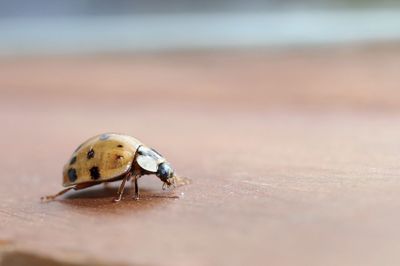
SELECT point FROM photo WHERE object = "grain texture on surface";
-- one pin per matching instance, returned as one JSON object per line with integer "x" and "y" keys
{"x": 294, "y": 158}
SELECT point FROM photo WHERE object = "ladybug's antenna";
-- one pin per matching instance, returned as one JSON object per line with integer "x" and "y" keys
{"x": 180, "y": 181}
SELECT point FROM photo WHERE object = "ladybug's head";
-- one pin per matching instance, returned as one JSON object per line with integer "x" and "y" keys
{"x": 165, "y": 173}
{"x": 153, "y": 162}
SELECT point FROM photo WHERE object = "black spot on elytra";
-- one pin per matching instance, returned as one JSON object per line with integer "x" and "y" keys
{"x": 104, "y": 137}
{"x": 94, "y": 173}
{"x": 73, "y": 160}
{"x": 72, "y": 176}
{"x": 118, "y": 157}
{"x": 120, "y": 146}
{"x": 90, "y": 154}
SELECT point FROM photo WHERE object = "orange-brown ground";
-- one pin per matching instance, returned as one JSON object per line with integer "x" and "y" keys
{"x": 294, "y": 157}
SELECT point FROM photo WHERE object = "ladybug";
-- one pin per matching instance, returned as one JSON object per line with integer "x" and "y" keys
{"x": 111, "y": 157}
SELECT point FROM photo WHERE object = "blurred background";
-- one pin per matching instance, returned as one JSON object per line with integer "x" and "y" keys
{"x": 91, "y": 26}
{"x": 287, "y": 53}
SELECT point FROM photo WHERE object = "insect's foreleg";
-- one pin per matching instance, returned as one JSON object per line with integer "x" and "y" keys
{"x": 135, "y": 183}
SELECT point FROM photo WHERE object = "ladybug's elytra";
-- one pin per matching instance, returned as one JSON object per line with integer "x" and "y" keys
{"x": 111, "y": 157}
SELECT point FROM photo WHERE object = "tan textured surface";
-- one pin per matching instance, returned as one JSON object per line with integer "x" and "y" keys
{"x": 294, "y": 158}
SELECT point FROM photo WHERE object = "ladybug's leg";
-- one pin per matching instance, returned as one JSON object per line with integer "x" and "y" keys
{"x": 135, "y": 180}
{"x": 121, "y": 188}
{"x": 52, "y": 197}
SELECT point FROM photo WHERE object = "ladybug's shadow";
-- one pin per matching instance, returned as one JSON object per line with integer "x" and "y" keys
{"x": 100, "y": 198}
{"x": 97, "y": 192}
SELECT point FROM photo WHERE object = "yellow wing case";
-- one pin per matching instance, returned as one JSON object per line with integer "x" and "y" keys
{"x": 101, "y": 158}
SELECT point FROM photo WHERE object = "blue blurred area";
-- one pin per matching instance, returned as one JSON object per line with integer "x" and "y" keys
{"x": 88, "y": 26}
{"x": 23, "y": 8}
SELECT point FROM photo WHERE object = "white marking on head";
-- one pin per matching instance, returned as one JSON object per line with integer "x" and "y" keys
{"x": 148, "y": 163}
